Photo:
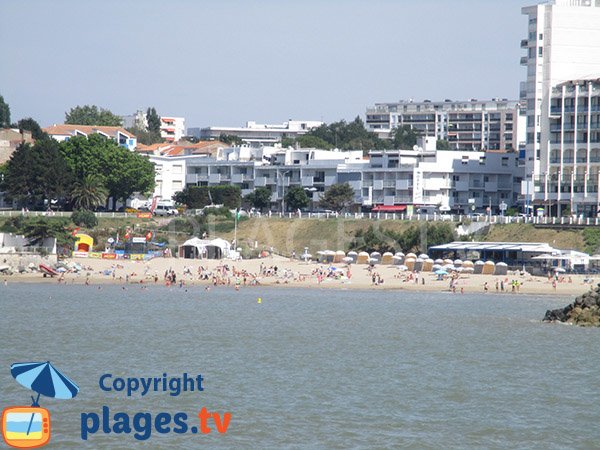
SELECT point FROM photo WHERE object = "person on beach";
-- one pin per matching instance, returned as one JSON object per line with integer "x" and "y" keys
{"x": 485, "y": 287}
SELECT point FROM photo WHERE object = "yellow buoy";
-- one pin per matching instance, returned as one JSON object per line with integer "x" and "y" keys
{"x": 259, "y": 300}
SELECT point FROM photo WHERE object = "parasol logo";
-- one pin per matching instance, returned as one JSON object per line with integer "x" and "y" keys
{"x": 29, "y": 426}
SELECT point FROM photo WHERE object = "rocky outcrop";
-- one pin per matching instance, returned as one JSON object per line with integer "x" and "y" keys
{"x": 584, "y": 311}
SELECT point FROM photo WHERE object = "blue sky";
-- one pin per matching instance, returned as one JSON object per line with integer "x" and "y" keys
{"x": 225, "y": 62}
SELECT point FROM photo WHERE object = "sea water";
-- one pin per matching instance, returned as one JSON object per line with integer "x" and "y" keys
{"x": 310, "y": 368}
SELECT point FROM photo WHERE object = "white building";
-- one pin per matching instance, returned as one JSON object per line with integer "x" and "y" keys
{"x": 259, "y": 134}
{"x": 562, "y": 44}
{"x": 65, "y": 132}
{"x": 172, "y": 129}
{"x": 466, "y": 125}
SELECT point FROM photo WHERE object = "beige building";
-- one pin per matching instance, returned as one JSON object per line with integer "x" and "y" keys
{"x": 10, "y": 139}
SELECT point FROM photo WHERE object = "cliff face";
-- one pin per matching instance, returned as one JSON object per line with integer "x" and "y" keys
{"x": 584, "y": 311}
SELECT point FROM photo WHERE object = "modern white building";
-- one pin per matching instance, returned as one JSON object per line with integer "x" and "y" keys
{"x": 172, "y": 129}
{"x": 391, "y": 180}
{"x": 563, "y": 51}
{"x": 257, "y": 134}
{"x": 466, "y": 125}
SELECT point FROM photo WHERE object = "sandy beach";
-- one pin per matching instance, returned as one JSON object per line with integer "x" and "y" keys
{"x": 294, "y": 273}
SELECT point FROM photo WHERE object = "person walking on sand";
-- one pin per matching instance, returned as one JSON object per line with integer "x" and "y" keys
{"x": 485, "y": 287}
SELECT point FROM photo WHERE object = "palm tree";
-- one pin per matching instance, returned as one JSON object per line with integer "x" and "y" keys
{"x": 89, "y": 193}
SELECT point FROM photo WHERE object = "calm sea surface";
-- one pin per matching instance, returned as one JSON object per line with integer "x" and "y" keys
{"x": 313, "y": 368}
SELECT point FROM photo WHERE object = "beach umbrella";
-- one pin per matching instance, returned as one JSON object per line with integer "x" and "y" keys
{"x": 348, "y": 259}
{"x": 402, "y": 268}
{"x": 467, "y": 264}
{"x": 411, "y": 255}
{"x": 436, "y": 267}
{"x": 441, "y": 272}
{"x": 468, "y": 269}
{"x": 45, "y": 379}
{"x": 448, "y": 261}
{"x": 306, "y": 256}
{"x": 559, "y": 270}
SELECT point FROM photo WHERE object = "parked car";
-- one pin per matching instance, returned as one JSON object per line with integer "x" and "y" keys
{"x": 164, "y": 210}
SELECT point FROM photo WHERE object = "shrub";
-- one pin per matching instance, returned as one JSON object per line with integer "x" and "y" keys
{"x": 84, "y": 218}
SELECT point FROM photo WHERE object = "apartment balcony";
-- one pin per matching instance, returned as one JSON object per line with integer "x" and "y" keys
{"x": 523, "y": 61}
{"x": 260, "y": 182}
{"x": 239, "y": 178}
{"x": 491, "y": 186}
{"x": 214, "y": 178}
{"x": 389, "y": 184}
{"x": 307, "y": 181}
{"x": 403, "y": 184}
{"x": 194, "y": 178}
{"x": 524, "y": 43}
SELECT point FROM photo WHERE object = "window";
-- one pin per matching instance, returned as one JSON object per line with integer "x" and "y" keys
{"x": 540, "y": 51}
{"x": 455, "y": 177}
{"x": 541, "y": 37}
{"x": 505, "y": 161}
{"x": 177, "y": 168}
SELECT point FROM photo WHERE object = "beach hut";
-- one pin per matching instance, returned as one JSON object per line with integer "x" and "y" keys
{"x": 448, "y": 261}
{"x": 436, "y": 267}
{"x": 468, "y": 264}
{"x": 411, "y": 255}
{"x": 428, "y": 265}
{"x": 83, "y": 243}
{"x": 410, "y": 263}
{"x": 439, "y": 261}
{"x": 387, "y": 258}
{"x": 468, "y": 269}
{"x": 458, "y": 263}
{"x": 478, "y": 267}
{"x": 501, "y": 269}
{"x": 424, "y": 256}
{"x": 418, "y": 265}
{"x": 489, "y": 268}
{"x": 326, "y": 256}
{"x": 375, "y": 257}
{"x": 352, "y": 255}
{"x": 362, "y": 258}
{"x": 339, "y": 256}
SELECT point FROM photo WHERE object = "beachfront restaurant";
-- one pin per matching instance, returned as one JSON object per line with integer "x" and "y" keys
{"x": 515, "y": 254}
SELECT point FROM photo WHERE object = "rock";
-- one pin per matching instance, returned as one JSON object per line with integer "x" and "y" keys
{"x": 584, "y": 311}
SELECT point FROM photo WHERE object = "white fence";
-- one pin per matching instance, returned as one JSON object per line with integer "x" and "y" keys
{"x": 545, "y": 220}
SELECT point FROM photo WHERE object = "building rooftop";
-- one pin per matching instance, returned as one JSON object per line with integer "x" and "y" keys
{"x": 69, "y": 130}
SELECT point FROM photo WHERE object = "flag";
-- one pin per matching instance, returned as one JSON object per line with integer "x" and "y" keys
{"x": 149, "y": 236}
{"x": 75, "y": 231}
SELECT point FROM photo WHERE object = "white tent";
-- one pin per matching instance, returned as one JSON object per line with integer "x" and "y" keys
{"x": 196, "y": 248}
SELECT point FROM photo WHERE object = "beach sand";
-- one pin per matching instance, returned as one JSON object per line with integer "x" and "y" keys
{"x": 295, "y": 273}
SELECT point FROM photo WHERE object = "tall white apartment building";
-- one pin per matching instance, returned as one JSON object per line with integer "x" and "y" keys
{"x": 563, "y": 50}
{"x": 466, "y": 125}
{"x": 172, "y": 129}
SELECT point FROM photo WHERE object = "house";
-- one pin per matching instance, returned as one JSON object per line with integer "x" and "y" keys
{"x": 66, "y": 131}
{"x": 10, "y": 139}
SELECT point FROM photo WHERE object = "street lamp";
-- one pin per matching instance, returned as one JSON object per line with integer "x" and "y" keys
{"x": 280, "y": 176}
{"x": 311, "y": 191}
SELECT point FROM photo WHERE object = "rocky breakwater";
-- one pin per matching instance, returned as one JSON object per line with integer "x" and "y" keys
{"x": 584, "y": 311}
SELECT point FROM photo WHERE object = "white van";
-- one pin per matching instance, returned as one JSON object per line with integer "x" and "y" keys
{"x": 165, "y": 210}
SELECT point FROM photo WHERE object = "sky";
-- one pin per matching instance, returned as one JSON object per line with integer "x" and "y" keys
{"x": 226, "y": 62}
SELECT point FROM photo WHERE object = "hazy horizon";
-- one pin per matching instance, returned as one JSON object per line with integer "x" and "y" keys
{"x": 224, "y": 63}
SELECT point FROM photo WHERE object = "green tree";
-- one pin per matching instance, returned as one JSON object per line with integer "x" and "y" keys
{"x": 153, "y": 120}
{"x": 146, "y": 137}
{"x": 310, "y": 141}
{"x": 342, "y": 135}
{"x": 84, "y": 218}
{"x": 92, "y": 115}
{"x": 404, "y": 137}
{"x": 337, "y": 197}
{"x": 230, "y": 139}
{"x": 288, "y": 142}
{"x": 121, "y": 171}
{"x": 4, "y": 113}
{"x": 28, "y": 124}
{"x": 373, "y": 240}
{"x": 128, "y": 173}
{"x": 296, "y": 198}
{"x": 260, "y": 198}
{"x": 37, "y": 173}
{"x": 442, "y": 144}
{"x": 201, "y": 196}
{"x": 89, "y": 192}
{"x": 36, "y": 229}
